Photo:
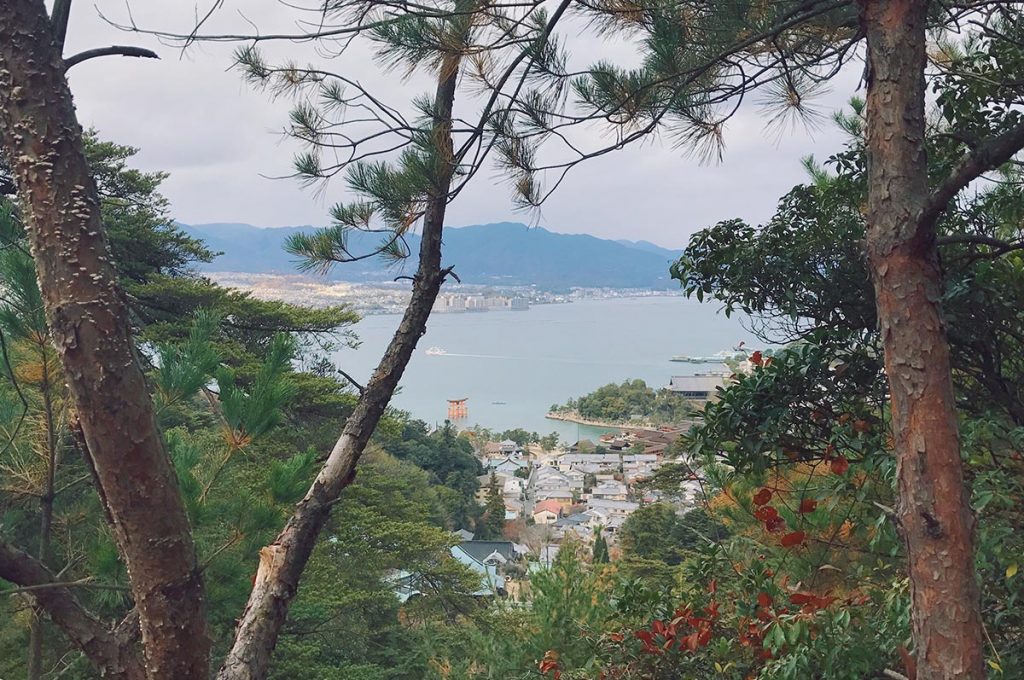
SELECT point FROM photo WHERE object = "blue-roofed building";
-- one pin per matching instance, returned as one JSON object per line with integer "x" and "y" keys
{"x": 483, "y": 557}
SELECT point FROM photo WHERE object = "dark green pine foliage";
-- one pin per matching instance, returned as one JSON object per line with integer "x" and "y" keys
{"x": 494, "y": 512}
{"x": 600, "y": 551}
{"x": 155, "y": 260}
{"x": 696, "y": 60}
{"x": 392, "y": 162}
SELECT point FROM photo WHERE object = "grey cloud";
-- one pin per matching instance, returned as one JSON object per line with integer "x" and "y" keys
{"x": 196, "y": 119}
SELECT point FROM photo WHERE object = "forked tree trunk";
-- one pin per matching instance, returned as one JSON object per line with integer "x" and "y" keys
{"x": 282, "y": 562}
{"x": 88, "y": 321}
{"x": 934, "y": 512}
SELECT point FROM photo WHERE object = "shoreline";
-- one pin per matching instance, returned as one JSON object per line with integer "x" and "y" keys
{"x": 580, "y": 420}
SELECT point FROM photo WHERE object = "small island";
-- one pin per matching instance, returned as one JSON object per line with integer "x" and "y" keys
{"x": 629, "y": 403}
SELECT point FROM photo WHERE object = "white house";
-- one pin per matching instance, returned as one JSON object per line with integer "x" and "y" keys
{"x": 612, "y": 491}
{"x": 612, "y": 509}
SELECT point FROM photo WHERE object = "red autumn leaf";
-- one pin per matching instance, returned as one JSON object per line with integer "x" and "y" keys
{"x": 550, "y": 663}
{"x": 764, "y": 599}
{"x": 775, "y": 525}
{"x": 840, "y": 465}
{"x": 704, "y": 637}
{"x": 766, "y": 513}
{"x": 680, "y": 615}
{"x": 801, "y": 598}
{"x": 808, "y": 505}
{"x": 792, "y": 539}
{"x": 756, "y": 359}
{"x": 762, "y": 497}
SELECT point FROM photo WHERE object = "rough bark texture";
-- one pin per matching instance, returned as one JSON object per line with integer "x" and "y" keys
{"x": 88, "y": 321}
{"x": 934, "y": 512}
{"x": 282, "y": 562}
{"x": 107, "y": 651}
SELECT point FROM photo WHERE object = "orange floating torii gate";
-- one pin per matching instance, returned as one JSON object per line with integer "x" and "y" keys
{"x": 457, "y": 409}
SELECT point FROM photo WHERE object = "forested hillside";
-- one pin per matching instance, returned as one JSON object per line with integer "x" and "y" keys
{"x": 509, "y": 254}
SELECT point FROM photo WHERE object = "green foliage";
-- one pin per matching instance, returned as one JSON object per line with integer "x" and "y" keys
{"x": 143, "y": 240}
{"x": 630, "y": 400}
{"x": 549, "y": 442}
{"x": 657, "y": 532}
{"x": 21, "y": 311}
{"x": 254, "y": 411}
{"x": 186, "y": 367}
{"x": 445, "y": 455}
{"x": 289, "y": 479}
{"x": 568, "y": 608}
{"x": 387, "y": 520}
{"x": 494, "y": 513}
{"x": 600, "y": 552}
{"x": 518, "y": 435}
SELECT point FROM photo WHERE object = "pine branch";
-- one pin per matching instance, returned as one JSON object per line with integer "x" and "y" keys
{"x": 113, "y": 50}
{"x": 81, "y": 627}
{"x": 988, "y": 155}
{"x": 59, "y": 21}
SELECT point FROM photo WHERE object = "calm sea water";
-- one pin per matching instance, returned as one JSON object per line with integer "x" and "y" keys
{"x": 512, "y": 366}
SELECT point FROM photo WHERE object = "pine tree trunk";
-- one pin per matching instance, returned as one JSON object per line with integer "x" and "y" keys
{"x": 934, "y": 512}
{"x": 88, "y": 322}
{"x": 282, "y": 562}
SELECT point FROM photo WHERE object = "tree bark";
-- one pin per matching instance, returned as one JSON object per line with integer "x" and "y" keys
{"x": 88, "y": 322}
{"x": 282, "y": 562}
{"x": 106, "y": 650}
{"x": 934, "y": 512}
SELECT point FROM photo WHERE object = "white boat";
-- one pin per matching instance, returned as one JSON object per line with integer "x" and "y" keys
{"x": 436, "y": 352}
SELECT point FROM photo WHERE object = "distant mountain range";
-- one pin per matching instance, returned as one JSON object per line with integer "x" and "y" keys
{"x": 506, "y": 253}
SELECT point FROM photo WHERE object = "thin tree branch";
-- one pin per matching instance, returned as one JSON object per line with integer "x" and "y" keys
{"x": 59, "y": 21}
{"x": 977, "y": 239}
{"x": 113, "y": 50}
{"x": 349, "y": 378}
{"x": 987, "y": 155}
{"x": 83, "y": 629}
{"x": 80, "y": 583}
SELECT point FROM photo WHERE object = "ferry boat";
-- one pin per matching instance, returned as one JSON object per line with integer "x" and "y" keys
{"x": 436, "y": 352}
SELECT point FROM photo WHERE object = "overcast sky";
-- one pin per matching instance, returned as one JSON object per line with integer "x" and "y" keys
{"x": 220, "y": 141}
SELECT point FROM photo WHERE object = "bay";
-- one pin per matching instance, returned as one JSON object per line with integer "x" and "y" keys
{"x": 512, "y": 366}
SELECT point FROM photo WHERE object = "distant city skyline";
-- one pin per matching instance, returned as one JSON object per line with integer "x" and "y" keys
{"x": 221, "y": 141}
